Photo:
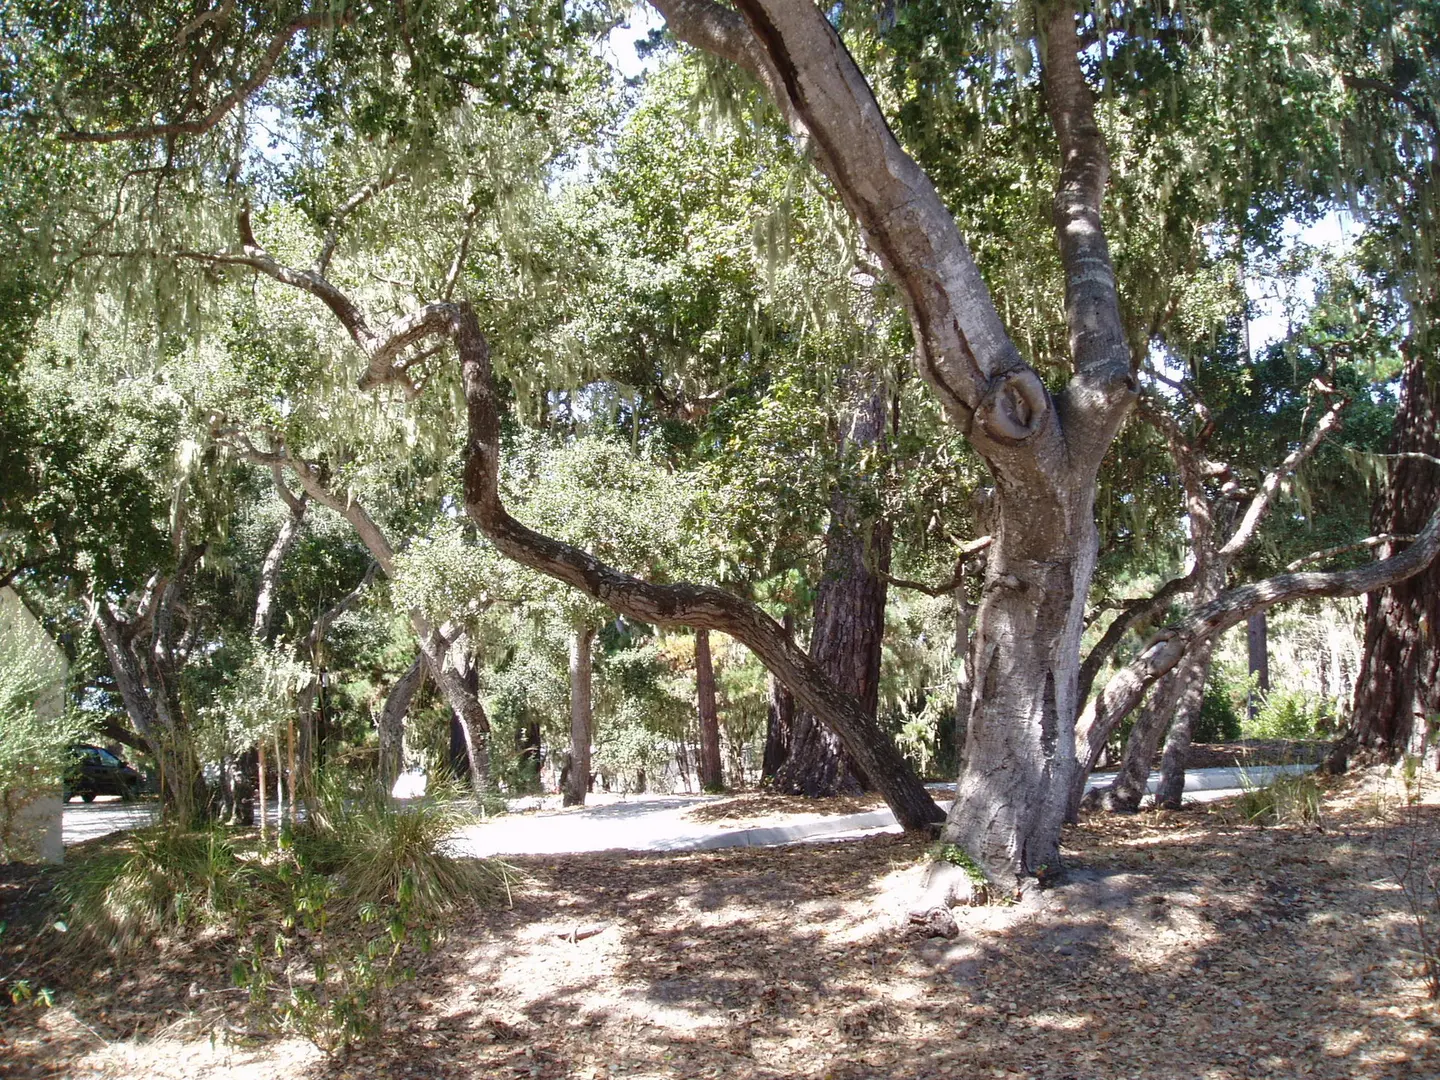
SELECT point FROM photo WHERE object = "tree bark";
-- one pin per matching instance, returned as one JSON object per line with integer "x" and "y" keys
{"x": 1174, "y": 702}
{"x": 849, "y": 625}
{"x": 1397, "y": 692}
{"x": 964, "y": 679}
{"x": 581, "y": 715}
{"x": 779, "y": 718}
{"x": 270, "y": 568}
{"x": 1170, "y": 791}
{"x": 392, "y": 723}
{"x": 1258, "y": 648}
{"x": 712, "y": 778}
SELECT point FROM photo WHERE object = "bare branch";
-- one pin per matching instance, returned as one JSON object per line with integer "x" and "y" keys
{"x": 1255, "y": 512}
{"x": 1342, "y": 549}
{"x": 1125, "y": 689}
{"x": 225, "y": 105}
{"x": 1092, "y": 303}
{"x": 966, "y": 553}
{"x": 294, "y": 502}
{"x": 1131, "y": 612}
{"x": 457, "y": 265}
{"x": 337, "y": 219}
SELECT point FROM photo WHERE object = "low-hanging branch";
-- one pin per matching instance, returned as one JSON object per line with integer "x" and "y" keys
{"x": 1344, "y": 549}
{"x": 702, "y": 607}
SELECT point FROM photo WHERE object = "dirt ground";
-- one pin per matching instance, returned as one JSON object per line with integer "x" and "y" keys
{"x": 1186, "y": 945}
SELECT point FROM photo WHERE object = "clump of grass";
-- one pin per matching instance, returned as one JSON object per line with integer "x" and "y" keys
{"x": 1289, "y": 799}
{"x": 154, "y": 881}
{"x": 384, "y": 853}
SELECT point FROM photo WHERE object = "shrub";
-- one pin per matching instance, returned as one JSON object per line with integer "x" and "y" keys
{"x": 34, "y": 749}
{"x": 1218, "y": 720}
{"x": 1289, "y": 714}
{"x": 156, "y": 880}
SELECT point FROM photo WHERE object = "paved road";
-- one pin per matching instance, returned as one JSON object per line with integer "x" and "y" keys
{"x": 654, "y": 822}
{"x": 659, "y": 822}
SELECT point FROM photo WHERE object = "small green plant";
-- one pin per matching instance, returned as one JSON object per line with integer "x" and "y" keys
{"x": 1289, "y": 799}
{"x": 958, "y": 856}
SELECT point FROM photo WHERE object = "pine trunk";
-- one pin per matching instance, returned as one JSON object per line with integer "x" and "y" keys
{"x": 849, "y": 629}
{"x": 711, "y": 775}
{"x": 779, "y": 719}
{"x": 577, "y": 783}
{"x": 1397, "y": 693}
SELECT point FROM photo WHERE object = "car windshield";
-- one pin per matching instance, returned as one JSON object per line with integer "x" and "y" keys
{"x": 107, "y": 758}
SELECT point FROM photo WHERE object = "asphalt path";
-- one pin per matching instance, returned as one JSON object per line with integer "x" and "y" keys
{"x": 653, "y": 822}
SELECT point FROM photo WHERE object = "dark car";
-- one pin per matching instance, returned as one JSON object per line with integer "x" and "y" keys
{"x": 96, "y": 771}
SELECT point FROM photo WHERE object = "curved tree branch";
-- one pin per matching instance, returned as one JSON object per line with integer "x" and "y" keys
{"x": 697, "y": 606}
{"x": 1124, "y": 691}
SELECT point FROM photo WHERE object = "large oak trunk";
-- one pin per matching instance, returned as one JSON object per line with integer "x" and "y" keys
{"x": 1019, "y": 758}
{"x": 1398, "y": 688}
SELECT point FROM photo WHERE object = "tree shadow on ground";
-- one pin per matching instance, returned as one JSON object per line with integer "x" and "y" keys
{"x": 1181, "y": 948}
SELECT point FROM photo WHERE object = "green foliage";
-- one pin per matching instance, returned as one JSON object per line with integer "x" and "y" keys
{"x": 1219, "y": 719}
{"x": 34, "y": 743}
{"x": 1290, "y": 714}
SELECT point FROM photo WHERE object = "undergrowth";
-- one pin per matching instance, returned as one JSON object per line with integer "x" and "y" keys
{"x": 1289, "y": 799}
{"x": 320, "y": 923}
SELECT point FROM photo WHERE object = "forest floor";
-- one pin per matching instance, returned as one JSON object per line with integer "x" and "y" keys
{"x": 1187, "y": 945}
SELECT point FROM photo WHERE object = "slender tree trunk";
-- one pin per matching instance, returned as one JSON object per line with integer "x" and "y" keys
{"x": 392, "y": 723}
{"x": 1397, "y": 692}
{"x": 964, "y": 687}
{"x": 1174, "y": 705}
{"x": 849, "y": 626}
{"x": 779, "y": 719}
{"x": 578, "y": 782}
{"x": 270, "y": 568}
{"x": 711, "y": 773}
{"x": 260, "y": 789}
{"x": 1171, "y": 789}
{"x": 1257, "y": 642}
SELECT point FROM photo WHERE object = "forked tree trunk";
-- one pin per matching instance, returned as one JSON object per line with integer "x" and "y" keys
{"x": 1174, "y": 706}
{"x": 1397, "y": 692}
{"x": 712, "y": 776}
{"x": 849, "y": 626}
{"x": 1171, "y": 788}
{"x": 577, "y": 783}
